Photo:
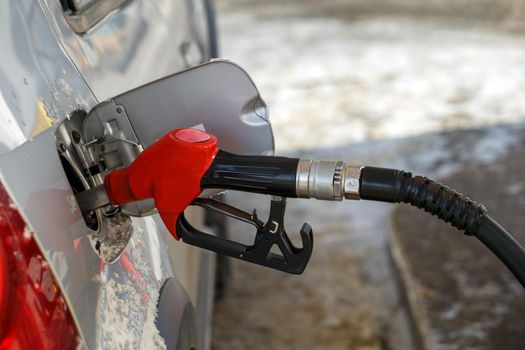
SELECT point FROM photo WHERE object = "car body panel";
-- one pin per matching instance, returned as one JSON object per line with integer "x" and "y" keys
{"x": 141, "y": 42}
{"x": 39, "y": 85}
{"x": 46, "y": 73}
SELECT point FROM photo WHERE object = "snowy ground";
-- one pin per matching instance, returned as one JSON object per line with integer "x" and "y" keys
{"x": 375, "y": 78}
{"x": 371, "y": 90}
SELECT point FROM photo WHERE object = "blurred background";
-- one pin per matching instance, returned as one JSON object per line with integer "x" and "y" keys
{"x": 436, "y": 87}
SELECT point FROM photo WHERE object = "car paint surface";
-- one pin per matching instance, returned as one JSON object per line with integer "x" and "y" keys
{"x": 47, "y": 72}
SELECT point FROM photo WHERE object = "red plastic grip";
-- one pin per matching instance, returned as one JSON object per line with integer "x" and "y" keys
{"x": 169, "y": 171}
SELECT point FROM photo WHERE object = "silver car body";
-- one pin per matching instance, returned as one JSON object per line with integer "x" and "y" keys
{"x": 47, "y": 71}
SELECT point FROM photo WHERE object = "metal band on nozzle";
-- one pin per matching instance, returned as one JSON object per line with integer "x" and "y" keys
{"x": 327, "y": 180}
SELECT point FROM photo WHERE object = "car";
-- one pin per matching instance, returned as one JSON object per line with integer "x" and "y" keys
{"x": 108, "y": 280}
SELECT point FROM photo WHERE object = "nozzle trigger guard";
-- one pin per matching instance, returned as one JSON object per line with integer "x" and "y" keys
{"x": 293, "y": 260}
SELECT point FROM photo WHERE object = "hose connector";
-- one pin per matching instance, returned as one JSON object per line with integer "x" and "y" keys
{"x": 352, "y": 181}
{"x": 327, "y": 180}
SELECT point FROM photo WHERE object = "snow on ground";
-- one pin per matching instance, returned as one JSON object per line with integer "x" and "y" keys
{"x": 375, "y": 78}
{"x": 377, "y": 91}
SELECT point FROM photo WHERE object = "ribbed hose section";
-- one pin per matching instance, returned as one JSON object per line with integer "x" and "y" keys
{"x": 443, "y": 202}
{"x": 391, "y": 185}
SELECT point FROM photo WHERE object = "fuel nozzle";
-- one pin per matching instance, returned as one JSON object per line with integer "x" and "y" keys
{"x": 175, "y": 169}
{"x": 186, "y": 161}
{"x": 287, "y": 177}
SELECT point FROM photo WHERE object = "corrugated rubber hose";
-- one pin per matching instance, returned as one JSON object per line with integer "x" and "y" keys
{"x": 397, "y": 186}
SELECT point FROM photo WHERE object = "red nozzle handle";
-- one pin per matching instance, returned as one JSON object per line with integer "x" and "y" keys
{"x": 169, "y": 171}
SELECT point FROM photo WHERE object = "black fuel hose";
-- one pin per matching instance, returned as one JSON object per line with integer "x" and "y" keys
{"x": 503, "y": 245}
{"x": 397, "y": 186}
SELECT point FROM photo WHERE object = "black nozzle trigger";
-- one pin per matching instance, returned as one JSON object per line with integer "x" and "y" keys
{"x": 292, "y": 259}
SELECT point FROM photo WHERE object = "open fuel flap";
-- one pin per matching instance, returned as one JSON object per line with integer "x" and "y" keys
{"x": 218, "y": 97}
